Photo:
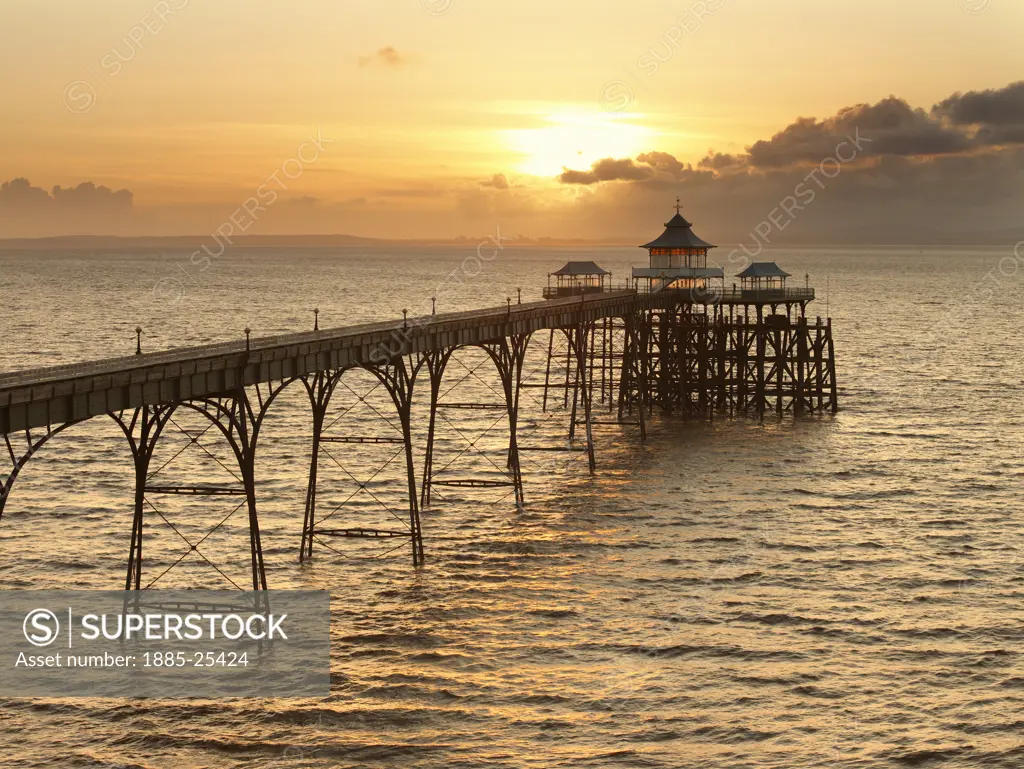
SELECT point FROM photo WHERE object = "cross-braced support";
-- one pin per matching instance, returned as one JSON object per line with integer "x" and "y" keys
{"x": 702, "y": 361}
{"x": 239, "y": 422}
{"x": 507, "y": 355}
{"x": 633, "y": 379}
{"x": 581, "y": 397}
{"x": 557, "y": 377}
{"x": 397, "y": 376}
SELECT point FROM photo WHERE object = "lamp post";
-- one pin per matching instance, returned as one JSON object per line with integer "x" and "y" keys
{"x": 508, "y": 301}
{"x": 433, "y": 305}
{"x": 138, "y": 340}
{"x": 316, "y": 318}
{"x": 405, "y": 318}
{"x": 247, "y": 332}
{"x": 519, "y": 295}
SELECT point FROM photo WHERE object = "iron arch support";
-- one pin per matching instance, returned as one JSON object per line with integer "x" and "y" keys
{"x": 150, "y": 421}
{"x": 397, "y": 379}
{"x": 258, "y": 416}
{"x": 435, "y": 364}
{"x": 232, "y": 415}
{"x": 319, "y": 388}
{"x": 507, "y": 355}
{"x": 19, "y": 460}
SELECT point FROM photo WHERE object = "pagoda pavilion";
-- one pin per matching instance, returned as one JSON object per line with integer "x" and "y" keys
{"x": 678, "y": 259}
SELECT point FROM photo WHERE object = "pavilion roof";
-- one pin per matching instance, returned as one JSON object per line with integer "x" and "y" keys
{"x": 763, "y": 270}
{"x": 581, "y": 268}
{"x": 677, "y": 234}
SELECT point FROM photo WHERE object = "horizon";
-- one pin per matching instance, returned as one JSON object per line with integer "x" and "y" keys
{"x": 322, "y": 241}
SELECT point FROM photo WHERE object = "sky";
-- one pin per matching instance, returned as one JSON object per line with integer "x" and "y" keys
{"x": 568, "y": 119}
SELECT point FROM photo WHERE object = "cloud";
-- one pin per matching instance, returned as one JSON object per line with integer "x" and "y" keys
{"x": 958, "y": 124}
{"x": 385, "y": 57}
{"x": 655, "y": 170}
{"x": 88, "y": 196}
{"x": 83, "y": 209}
{"x": 717, "y": 161}
{"x": 994, "y": 107}
{"x": 661, "y": 161}
{"x": 609, "y": 170}
{"x": 892, "y": 125}
{"x": 19, "y": 193}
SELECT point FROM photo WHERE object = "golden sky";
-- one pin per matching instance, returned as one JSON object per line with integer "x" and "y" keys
{"x": 192, "y": 105}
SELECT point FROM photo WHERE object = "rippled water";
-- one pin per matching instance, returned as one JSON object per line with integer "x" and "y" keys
{"x": 824, "y": 592}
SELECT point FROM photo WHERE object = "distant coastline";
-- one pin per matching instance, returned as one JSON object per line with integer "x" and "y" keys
{"x": 116, "y": 242}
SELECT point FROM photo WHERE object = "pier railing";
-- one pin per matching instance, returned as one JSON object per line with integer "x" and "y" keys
{"x": 149, "y": 360}
{"x": 718, "y": 295}
{"x": 561, "y": 292}
{"x": 738, "y": 295}
{"x": 697, "y": 294}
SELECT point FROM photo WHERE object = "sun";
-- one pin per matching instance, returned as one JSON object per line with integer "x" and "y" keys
{"x": 576, "y": 139}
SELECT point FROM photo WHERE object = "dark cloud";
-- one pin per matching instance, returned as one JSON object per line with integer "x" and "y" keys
{"x": 895, "y": 128}
{"x": 890, "y": 127}
{"x": 609, "y": 170}
{"x": 385, "y": 57}
{"x": 1000, "y": 136}
{"x": 662, "y": 162}
{"x": 717, "y": 161}
{"x": 993, "y": 107}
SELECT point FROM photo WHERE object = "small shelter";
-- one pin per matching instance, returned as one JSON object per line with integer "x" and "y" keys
{"x": 763, "y": 276}
{"x": 577, "y": 278}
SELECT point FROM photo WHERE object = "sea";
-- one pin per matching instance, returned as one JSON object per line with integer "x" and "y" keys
{"x": 826, "y": 591}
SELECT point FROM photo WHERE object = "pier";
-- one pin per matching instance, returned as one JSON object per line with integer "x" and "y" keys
{"x": 672, "y": 344}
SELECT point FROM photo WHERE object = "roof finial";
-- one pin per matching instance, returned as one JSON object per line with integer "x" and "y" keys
{"x": 678, "y": 206}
